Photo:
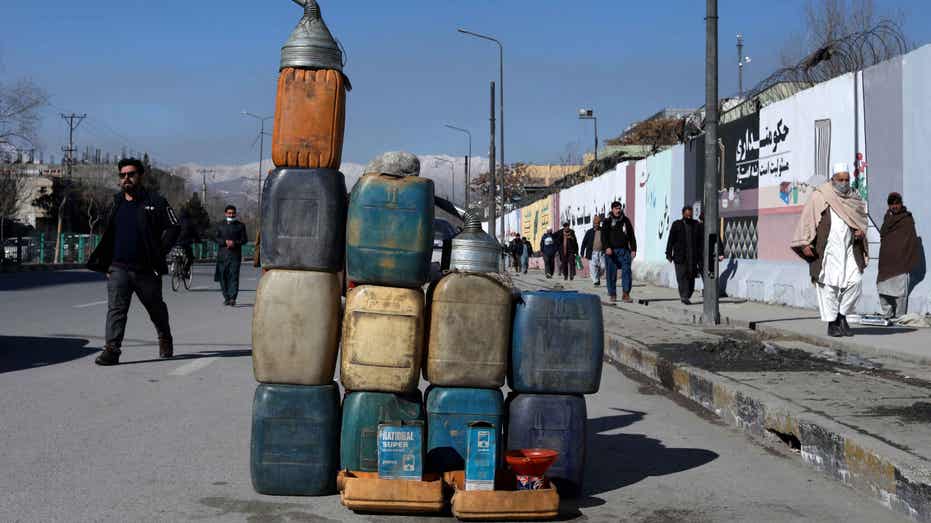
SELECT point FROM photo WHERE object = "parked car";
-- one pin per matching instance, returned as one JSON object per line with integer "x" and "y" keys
{"x": 21, "y": 249}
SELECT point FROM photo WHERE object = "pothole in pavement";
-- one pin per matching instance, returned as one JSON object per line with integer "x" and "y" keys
{"x": 743, "y": 354}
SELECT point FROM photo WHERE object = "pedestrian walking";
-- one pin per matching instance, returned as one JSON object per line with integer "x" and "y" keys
{"x": 593, "y": 251}
{"x": 899, "y": 254}
{"x": 525, "y": 254}
{"x": 620, "y": 245}
{"x": 548, "y": 249}
{"x": 516, "y": 246}
{"x": 568, "y": 248}
{"x": 231, "y": 236}
{"x": 141, "y": 229}
{"x": 684, "y": 249}
{"x": 831, "y": 237}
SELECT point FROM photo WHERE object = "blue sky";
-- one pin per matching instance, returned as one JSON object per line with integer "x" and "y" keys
{"x": 172, "y": 76}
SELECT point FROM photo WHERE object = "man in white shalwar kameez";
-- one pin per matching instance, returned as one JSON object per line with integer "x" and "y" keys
{"x": 831, "y": 237}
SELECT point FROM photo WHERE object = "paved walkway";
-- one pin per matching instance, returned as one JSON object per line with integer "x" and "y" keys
{"x": 908, "y": 344}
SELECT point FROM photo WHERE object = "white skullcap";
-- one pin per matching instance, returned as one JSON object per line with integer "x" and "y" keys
{"x": 841, "y": 167}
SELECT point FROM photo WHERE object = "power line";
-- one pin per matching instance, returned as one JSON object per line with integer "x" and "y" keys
{"x": 74, "y": 120}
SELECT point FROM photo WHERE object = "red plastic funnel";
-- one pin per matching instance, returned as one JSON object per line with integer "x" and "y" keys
{"x": 530, "y": 462}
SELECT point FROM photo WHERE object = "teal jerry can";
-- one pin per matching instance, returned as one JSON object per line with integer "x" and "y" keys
{"x": 362, "y": 413}
{"x": 400, "y": 450}
{"x": 389, "y": 234}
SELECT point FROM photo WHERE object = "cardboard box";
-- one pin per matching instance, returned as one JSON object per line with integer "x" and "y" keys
{"x": 481, "y": 452}
{"x": 400, "y": 450}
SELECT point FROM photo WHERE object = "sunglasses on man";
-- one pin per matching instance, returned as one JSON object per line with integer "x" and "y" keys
{"x": 130, "y": 174}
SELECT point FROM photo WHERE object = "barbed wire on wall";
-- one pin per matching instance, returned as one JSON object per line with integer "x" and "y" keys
{"x": 847, "y": 54}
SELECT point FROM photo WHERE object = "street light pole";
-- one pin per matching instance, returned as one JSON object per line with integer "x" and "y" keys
{"x": 493, "y": 197}
{"x": 589, "y": 114}
{"x": 261, "y": 119}
{"x": 710, "y": 207}
{"x": 500, "y": 107}
{"x": 468, "y": 160}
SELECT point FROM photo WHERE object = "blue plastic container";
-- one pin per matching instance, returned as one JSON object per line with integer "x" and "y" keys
{"x": 556, "y": 422}
{"x": 295, "y": 439}
{"x": 557, "y": 343}
{"x": 304, "y": 220}
{"x": 362, "y": 413}
{"x": 449, "y": 413}
{"x": 389, "y": 234}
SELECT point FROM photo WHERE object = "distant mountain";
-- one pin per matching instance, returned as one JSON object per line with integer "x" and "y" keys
{"x": 238, "y": 182}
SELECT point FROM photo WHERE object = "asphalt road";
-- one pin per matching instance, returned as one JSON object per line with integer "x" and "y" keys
{"x": 154, "y": 440}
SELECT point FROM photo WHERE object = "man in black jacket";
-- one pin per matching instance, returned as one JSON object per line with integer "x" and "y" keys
{"x": 548, "y": 249}
{"x": 620, "y": 245}
{"x": 141, "y": 229}
{"x": 684, "y": 248}
{"x": 231, "y": 236}
{"x": 568, "y": 248}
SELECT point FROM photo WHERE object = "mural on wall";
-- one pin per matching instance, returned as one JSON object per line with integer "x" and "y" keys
{"x": 741, "y": 139}
{"x": 741, "y": 237}
{"x": 536, "y": 219}
{"x": 658, "y": 215}
{"x": 641, "y": 179}
{"x": 578, "y": 204}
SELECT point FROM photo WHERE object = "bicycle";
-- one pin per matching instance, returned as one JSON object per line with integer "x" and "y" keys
{"x": 176, "y": 268}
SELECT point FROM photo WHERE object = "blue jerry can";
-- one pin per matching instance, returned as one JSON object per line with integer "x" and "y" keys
{"x": 449, "y": 413}
{"x": 556, "y": 422}
{"x": 295, "y": 439}
{"x": 362, "y": 413}
{"x": 304, "y": 220}
{"x": 389, "y": 234}
{"x": 557, "y": 343}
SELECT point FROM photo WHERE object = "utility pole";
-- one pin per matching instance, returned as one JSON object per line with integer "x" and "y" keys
{"x": 468, "y": 159}
{"x": 204, "y": 173}
{"x": 589, "y": 114}
{"x": 710, "y": 274}
{"x": 262, "y": 120}
{"x": 741, "y": 62}
{"x": 492, "y": 202}
{"x": 74, "y": 120}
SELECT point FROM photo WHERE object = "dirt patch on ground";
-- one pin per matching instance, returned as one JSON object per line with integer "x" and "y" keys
{"x": 918, "y": 412}
{"x": 743, "y": 354}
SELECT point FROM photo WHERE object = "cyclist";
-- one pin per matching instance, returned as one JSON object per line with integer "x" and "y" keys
{"x": 186, "y": 239}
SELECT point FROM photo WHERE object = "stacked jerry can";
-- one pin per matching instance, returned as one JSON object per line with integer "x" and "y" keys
{"x": 467, "y": 350}
{"x": 296, "y": 321}
{"x": 557, "y": 350}
{"x": 389, "y": 241}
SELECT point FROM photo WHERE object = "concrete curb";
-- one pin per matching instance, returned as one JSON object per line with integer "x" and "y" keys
{"x": 899, "y": 480}
{"x": 697, "y": 318}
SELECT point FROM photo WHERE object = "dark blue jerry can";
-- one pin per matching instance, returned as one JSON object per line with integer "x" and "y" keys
{"x": 551, "y": 421}
{"x": 557, "y": 343}
{"x": 389, "y": 234}
{"x": 295, "y": 440}
{"x": 449, "y": 413}
{"x": 304, "y": 220}
{"x": 362, "y": 413}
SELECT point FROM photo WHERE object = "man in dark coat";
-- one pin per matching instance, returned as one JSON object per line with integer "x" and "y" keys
{"x": 567, "y": 246}
{"x": 899, "y": 253}
{"x": 620, "y": 245}
{"x": 515, "y": 247}
{"x": 141, "y": 229}
{"x": 548, "y": 249}
{"x": 231, "y": 236}
{"x": 684, "y": 249}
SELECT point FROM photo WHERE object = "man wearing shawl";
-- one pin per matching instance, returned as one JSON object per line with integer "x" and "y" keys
{"x": 831, "y": 237}
{"x": 898, "y": 255}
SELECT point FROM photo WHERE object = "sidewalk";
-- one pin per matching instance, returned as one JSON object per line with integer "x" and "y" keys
{"x": 903, "y": 343}
{"x": 863, "y": 421}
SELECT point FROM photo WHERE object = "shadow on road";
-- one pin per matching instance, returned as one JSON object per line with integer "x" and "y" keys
{"x": 195, "y": 355}
{"x": 28, "y": 280}
{"x": 618, "y": 460}
{"x": 24, "y": 352}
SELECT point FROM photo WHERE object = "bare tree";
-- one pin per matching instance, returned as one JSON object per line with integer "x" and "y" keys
{"x": 96, "y": 198}
{"x": 828, "y": 21}
{"x": 19, "y": 111}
